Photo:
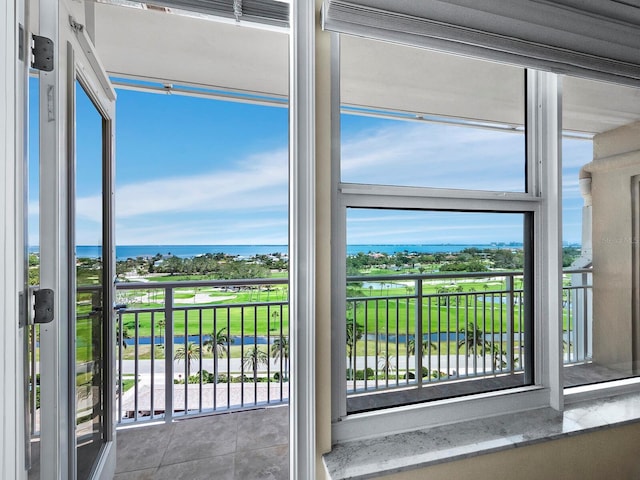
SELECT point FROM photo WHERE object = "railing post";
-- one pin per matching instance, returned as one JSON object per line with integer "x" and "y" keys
{"x": 510, "y": 323}
{"x": 168, "y": 354}
{"x": 418, "y": 330}
{"x": 120, "y": 347}
{"x": 579, "y": 317}
{"x": 588, "y": 316}
{"x": 34, "y": 379}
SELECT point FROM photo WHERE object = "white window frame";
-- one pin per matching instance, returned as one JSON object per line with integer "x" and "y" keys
{"x": 543, "y": 130}
{"x": 302, "y": 235}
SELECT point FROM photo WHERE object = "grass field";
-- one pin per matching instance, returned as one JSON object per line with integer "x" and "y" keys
{"x": 384, "y": 309}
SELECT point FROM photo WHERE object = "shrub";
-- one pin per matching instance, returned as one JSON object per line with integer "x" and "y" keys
{"x": 360, "y": 374}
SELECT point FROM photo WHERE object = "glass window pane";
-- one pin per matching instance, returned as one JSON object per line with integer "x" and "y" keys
{"x": 90, "y": 312}
{"x": 33, "y": 240}
{"x": 419, "y": 118}
{"x": 457, "y": 281}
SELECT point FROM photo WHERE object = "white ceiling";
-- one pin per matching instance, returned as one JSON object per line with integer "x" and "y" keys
{"x": 397, "y": 77}
{"x": 390, "y": 76}
{"x": 184, "y": 50}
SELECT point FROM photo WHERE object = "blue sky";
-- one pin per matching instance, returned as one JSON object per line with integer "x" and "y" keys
{"x": 201, "y": 171}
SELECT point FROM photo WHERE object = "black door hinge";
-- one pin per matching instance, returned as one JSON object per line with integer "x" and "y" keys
{"x": 20, "y": 43}
{"x": 43, "y": 306}
{"x": 22, "y": 310}
{"x": 42, "y": 53}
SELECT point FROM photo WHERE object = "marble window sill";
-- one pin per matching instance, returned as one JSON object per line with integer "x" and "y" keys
{"x": 421, "y": 448}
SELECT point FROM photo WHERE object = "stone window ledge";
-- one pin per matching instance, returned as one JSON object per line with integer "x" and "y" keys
{"x": 400, "y": 452}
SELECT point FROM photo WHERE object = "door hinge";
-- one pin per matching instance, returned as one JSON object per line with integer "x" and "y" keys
{"x": 21, "y": 43}
{"x": 22, "y": 310}
{"x": 42, "y": 53}
{"x": 43, "y": 306}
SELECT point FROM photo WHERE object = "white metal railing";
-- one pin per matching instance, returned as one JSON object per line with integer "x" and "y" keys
{"x": 450, "y": 327}
{"x": 175, "y": 358}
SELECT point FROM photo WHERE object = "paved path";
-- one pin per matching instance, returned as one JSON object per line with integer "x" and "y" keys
{"x": 443, "y": 363}
{"x": 179, "y": 366}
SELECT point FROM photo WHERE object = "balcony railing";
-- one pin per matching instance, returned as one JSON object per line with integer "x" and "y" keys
{"x": 192, "y": 347}
{"x": 412, "y": 331}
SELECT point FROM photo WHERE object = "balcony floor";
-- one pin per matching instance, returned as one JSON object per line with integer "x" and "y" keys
{"x": 242, "y": 445}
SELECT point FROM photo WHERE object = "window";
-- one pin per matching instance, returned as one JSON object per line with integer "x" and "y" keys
{"x": 436, "y": 305}
{"x": 438, "y": 205}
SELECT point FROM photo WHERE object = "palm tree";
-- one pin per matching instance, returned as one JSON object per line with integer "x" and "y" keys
{"x": 386, "y": 363}
{"x": 354, "y": 333}
{"x": 253, "y": 358}
{"x": 426, "y": 346}
{"x": 125, "y": 335}
{"x": 498, "y": 354}
{"x": 161, "y": 325}
{"x": 218, "y": 345}
{"x": 280, "y": 350}
{"x": 442, "y": 298}
{"x": 474, "y": 340}
{"x": 188, "y": 353}
{"x": 275, "y": 315}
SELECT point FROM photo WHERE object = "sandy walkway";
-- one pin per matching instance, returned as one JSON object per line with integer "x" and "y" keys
{"x": 203, "y": 298}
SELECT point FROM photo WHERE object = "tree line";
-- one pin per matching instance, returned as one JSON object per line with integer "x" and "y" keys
{"x": 467, "y": 260}
{"x": 212, "y": 265}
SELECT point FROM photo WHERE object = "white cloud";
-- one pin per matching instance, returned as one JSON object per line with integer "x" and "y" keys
{"x": 370, "y": 226}
{"x": 257, "y": 182}
{"x": 195, "y": 229}
{"x": 435, "y": 155}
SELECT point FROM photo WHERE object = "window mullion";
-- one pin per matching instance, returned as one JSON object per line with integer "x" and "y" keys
{"x": 544, "y": 127}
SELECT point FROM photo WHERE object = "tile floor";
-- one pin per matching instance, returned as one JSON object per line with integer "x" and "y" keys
{"x": 231, "y": 446}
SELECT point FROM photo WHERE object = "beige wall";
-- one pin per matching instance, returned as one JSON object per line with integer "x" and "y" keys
{"x": 323, "y": 244}
{"x": 607, "y": 454}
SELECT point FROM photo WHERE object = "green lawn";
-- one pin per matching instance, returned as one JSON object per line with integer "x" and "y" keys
{"x": 446, "y": 308}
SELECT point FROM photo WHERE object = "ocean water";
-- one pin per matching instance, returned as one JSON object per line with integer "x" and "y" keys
{"x": 186, "y": 251}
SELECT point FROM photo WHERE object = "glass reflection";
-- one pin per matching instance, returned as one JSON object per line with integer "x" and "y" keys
{"x": 89, "y": 326}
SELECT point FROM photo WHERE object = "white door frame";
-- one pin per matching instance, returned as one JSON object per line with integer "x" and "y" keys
{"x": 84, "y": 67}
{"x": 57, "y": 455}
{"x": 13, "y": 118}
{"x": 54, "y": 270}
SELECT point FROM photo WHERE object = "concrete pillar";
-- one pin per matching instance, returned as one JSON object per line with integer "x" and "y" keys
{"x": 614, "y": 169}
